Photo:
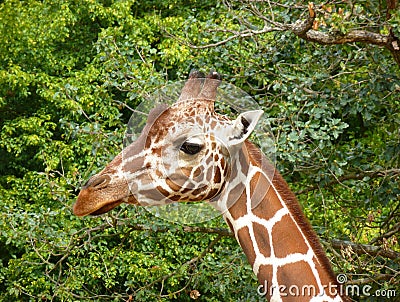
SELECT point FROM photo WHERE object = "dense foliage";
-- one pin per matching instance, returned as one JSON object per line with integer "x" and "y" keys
{"x": 70, "y": 72}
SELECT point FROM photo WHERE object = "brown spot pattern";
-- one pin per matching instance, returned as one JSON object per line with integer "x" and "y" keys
{"x": 262, "y": 239}
{"x": 265, "y": 273}
{"x": 264, "y": 199}
{"x": 237, "y": 201}
{"x": 297, "y": 289}
{"x": 287, "y": 239}
{"x": 246, "y": 244}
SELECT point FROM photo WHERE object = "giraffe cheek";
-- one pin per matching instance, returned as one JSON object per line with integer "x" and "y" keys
{"x": 131, "y": 200}
{"x": 179, "y": 181}
{"x": 186, "y": 171}
{"x": 175, "y": 184}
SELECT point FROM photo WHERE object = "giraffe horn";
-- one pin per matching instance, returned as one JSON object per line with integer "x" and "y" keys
{"x": 192, "y": 86}
{"x": 209, "y": 91}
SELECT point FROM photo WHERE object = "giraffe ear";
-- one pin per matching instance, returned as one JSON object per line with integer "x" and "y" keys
{"x": 244, "y": 125}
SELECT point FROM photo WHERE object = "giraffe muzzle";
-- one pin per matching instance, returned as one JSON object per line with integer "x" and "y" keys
{"x": 100, "y": 195}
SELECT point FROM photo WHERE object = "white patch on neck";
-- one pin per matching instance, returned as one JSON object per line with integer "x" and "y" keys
{"x": 249, "y": 218}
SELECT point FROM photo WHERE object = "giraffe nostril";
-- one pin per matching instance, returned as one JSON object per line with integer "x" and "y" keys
{"x": 98, "y": 182}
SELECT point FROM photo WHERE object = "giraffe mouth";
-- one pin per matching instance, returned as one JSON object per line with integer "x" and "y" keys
{"x": 111, "y": 205}
{"x": 84, "y": 208}
{"x": 97, "y": 196}
{"x": 106, "y": 208}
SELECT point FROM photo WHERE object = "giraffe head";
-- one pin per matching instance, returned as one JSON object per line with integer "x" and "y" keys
{"x": 184, "y": 153}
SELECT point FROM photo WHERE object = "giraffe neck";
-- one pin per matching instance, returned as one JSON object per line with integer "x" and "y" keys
{"x": 278, "y": 241}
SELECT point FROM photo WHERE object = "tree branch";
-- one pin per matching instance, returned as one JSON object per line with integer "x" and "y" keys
{"x": 373, "y": 278}
{"x": 235, "y": 34}
{"x": 352, "y": 176}
{"x": 395, "y": 229}
{"x": 358, "y": 248}
{"x": 190, "y": 229}
{"x": 390, "y": 42}
{"x": 362, "y": 249}
{"x": 303, "y": 29}
{"x": 306, "y": 30}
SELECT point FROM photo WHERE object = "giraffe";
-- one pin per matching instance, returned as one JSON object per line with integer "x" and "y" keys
{"x": 187, "y": 152}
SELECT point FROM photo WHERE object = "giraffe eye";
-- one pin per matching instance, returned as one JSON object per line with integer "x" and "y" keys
{"x": 191, "y": 148}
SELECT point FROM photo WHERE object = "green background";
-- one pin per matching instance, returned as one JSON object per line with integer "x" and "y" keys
{"x": 71, "y": 70}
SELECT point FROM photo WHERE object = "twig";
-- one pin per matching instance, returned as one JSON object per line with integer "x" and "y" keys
{"x": 372, "y": 278}
{"x": 358, "y": 248}
{"x": 362, "y": 249}
{"x": 353, "y": 176}
{"x": 395, "y": 229}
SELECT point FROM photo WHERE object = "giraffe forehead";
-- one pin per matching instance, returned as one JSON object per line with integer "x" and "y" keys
{"x": 189, "y": 127}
